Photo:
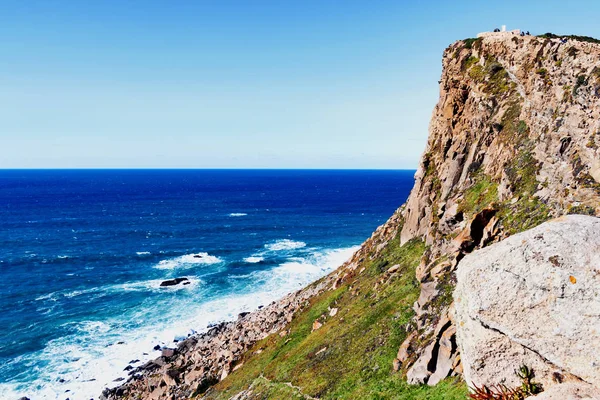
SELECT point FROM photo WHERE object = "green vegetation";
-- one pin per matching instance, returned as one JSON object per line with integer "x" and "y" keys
{"x": 502, "y": 392}
{"x": 351, "y": 355}
{"x": 573, "y": 37}
{"x": 472, "y": 43}
{"x": 469, "y": 62}
{"x": 543, "y": 73}
{"x": 581, "y": 209}
{"x": 582, "y": 80}
{"x": 492, "y": 75}
{"x": 483, "y": 192}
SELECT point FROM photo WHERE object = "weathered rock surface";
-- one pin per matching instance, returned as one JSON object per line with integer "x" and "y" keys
{"x": 569, "y": 391}
{"x": 532, "y": 299}
{"x": 203, "y": 360}
{"x": 513, "y": 141}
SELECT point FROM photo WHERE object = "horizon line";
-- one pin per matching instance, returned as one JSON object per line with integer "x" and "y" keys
{"x": 202, "y": 169}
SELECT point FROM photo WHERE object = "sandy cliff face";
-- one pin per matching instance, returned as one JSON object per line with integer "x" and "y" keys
{"x": 513, "y": 141}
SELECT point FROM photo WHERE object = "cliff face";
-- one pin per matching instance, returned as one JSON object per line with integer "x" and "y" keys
{"x": 513, "y": 109}
{"x": 513, "y": 142}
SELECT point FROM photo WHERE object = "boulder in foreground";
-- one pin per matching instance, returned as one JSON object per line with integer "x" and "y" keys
{"x": 533, "y": 299}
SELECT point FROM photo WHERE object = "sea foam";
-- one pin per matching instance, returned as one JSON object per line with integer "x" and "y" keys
{"x": 95, "y": 355}
{"x": 188, "y": 261}
{"x": 285, "y": 244}
{"x": 254, "y": 259}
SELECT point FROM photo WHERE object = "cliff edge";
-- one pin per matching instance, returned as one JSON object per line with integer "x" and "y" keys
{"x": 513, "y": 142}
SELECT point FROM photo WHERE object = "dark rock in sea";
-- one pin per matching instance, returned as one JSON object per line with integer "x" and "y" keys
{"x": 128, "y": 368}
{"x": 24, "y": 398}
{"x": 157, "y": 347}
{"x": 260, "y": 307}
{"x": 119, "y": 379}
{"x": 186, "y": 283}
{"x": 173, "y": 282}
{"x": 133, "y": 361}
{"x": 198, "y": 256}
{"x": 61, "y": 380}
{"x": 120, "y": 342}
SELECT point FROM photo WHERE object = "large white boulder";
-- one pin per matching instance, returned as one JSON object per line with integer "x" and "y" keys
{"x": 532, "y": 299}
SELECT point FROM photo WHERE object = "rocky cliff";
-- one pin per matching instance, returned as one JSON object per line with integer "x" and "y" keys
{"x": 513, "y": 142}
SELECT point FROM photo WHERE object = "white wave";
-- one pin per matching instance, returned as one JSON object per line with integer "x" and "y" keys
{"x": 61, "y": 257}
{"x": 136, "y": 286}
{"x": 188, "y": 261}
{"x": 254, "y": 259}
{"x": 142, "y": 253}
{"x": 93, "y": 357}
{"x": 285, "y": 244}
{"x": 238, "y": 214}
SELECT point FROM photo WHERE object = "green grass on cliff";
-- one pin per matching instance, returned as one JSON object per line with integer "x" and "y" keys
{"x": 351, "y": 355}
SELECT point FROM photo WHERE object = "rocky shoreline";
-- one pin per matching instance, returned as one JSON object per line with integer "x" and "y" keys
{"x": 202, "y": 360}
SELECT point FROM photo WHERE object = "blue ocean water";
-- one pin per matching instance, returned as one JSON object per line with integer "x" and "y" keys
{"x": 83, "y": 253}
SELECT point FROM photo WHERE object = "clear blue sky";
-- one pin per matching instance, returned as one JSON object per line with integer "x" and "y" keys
{"x": 237, "y": 84}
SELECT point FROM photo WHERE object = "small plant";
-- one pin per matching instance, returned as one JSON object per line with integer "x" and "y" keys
{"x": 542, "y": 72}
{"x": 502, "y": 392}
{"x": 497, "y": 392}
{"x": 528, "y": 386}
{"x": 472, "y": 42}
{"x": 582, "y": 80}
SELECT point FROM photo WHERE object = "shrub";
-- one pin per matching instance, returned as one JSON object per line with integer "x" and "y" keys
{"x": 502, "y": 392}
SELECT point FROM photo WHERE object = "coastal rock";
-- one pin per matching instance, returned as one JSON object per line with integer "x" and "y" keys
{"x": 513, "y": 141}
{"x": 532, "y": 299}
{"x": 173, "y": 282}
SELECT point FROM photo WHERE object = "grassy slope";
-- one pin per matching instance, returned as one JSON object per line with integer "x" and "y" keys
{"x": 360, "y": 342}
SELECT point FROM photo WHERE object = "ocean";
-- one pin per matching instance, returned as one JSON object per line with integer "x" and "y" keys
{"x": 83, "y": 254}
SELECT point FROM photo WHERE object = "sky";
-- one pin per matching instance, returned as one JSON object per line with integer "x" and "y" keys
{"x": 237, "y": 84}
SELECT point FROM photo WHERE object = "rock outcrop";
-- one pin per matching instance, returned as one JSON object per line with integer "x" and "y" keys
{"x": 513, "y": 142}
{"x": 532, "y": 299}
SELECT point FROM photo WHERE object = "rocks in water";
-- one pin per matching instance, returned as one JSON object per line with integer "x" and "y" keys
{"x": 202, "y": 359}
{"x": 518, "y": 304}
{"x": 173, "y": 282}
